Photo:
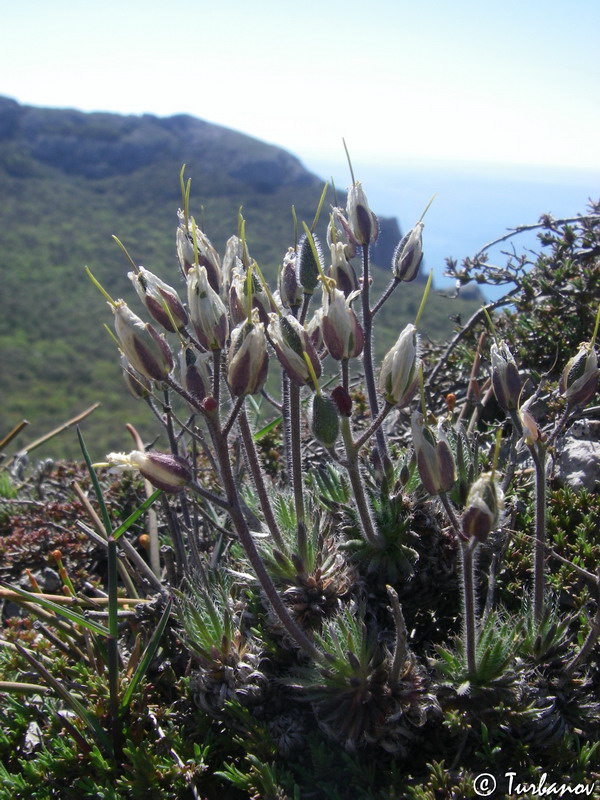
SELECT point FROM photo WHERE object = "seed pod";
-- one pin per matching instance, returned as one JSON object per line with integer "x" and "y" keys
{"x": 409, "y": 255}
{"x": 290, "y": 341}
{"x": 340, "y": 232}
{"x": 325, "y": 423}
{"x": 363, "y": 222}
{"x": 209, "y": 315}
{"x": 506, "y": 380}
{"x": 341, "y": 270}
{"x": 231, "y": 260}
{"x": 579, "y": 379}
{"x": 308, "y": 268}
{"x": 238, "y": 297}
{"x": 342, "y": 332}
{"x": 314, "y": 328}
{"x": 434, "y": 457}
{"x": 205, "y": 253}
{"x": 146, "y": 350}
{"x": 288, "y": 283}
{"x": 138, "y": 386}
{"x": 155, "y": 295}
{"x": 399, "y": 375}
{"x": 484, "y": 507}
{"x": 342, "y": 400}
{"x": 531, "y": 430}
{"x": 164, "y": 470}
{"x": 248, "y": 360}
{"x": 195, "y": 376}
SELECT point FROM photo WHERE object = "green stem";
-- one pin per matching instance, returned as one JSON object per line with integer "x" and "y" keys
{"x": 538, "y": 454}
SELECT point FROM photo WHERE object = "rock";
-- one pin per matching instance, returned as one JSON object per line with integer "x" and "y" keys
{"x": 577, "y": 460}
{"x": 48, "y": 579}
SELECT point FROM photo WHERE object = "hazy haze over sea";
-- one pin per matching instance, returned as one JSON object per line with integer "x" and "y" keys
{"x": 474, "y": 203}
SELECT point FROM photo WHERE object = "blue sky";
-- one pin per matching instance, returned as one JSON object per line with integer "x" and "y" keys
{"x": 496, "y": 82}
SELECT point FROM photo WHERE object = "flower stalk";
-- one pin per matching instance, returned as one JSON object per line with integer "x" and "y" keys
{"x": 367, "y": 323}
{"x": 247, "y": 541}
{"x": 367, "y": 524}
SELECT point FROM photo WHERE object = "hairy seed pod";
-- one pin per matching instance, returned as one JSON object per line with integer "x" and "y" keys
{"x": 325, "y": 422}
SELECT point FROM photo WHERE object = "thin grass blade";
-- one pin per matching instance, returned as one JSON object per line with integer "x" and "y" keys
{"x": 67, "y": 613}
{"x": 148, "y": 655}
{"x": 136, "y": 514}
{"x": 267, "y": 429}
{"x": 95, "y": 484}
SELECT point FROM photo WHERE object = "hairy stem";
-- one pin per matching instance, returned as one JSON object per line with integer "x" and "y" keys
{"x": 368, "y": 351}
{"x": 217, "y": 376}
{"x": 374, "y": 426}
{"x": 345, "y": 373}
{"x": 451, "y": 514}
{"x": 401, "y": 648}
{"x": 237, "y": 407}
{"x": 296, "y": 448}
{"x": 469, "y": 612}
{"x": 176, "y": 537}
{"x": 590, "y": 639}
{"x": 285, "y": 416}
{"x": 259, "y": 480}
{"x": 245, "y": 536}
{"x": 392, "y": 285}
{"x": 352, "y": 466}
{"x": 538, "y": 453}
{"x": 112, "y": 646}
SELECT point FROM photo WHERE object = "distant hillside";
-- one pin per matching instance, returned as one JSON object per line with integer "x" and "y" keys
{"x": 68, "y": 181}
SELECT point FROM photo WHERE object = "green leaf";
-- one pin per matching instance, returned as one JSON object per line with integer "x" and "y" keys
{"x": 319, "y": 207}
{"x": 136, "y": 514}
{"x": 267, "y": 429}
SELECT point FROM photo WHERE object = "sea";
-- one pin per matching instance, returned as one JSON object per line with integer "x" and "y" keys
{"x": 473, "y": 205}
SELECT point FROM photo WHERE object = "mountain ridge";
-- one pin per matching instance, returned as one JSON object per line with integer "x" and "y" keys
{"x": 70, "y": 180}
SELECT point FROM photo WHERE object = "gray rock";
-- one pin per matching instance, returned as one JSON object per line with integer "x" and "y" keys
{"x": 577, "y": 460}
{"x": 48, "y": 579}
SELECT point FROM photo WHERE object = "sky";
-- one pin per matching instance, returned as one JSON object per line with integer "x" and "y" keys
{"x": 508, "y": 82}
{"x": 492, "y": 105}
